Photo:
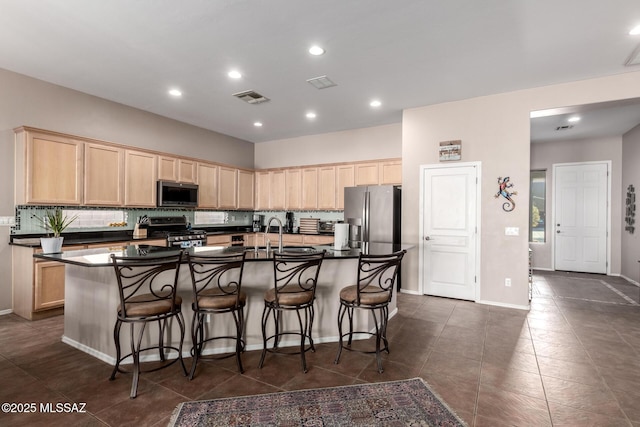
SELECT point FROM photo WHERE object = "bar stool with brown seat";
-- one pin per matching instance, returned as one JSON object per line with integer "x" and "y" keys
{"x": 372, "y": 292}
{"x": 148, "y": 293}
{"x": 217, "y": 289}
{"x": 295, "y": 280}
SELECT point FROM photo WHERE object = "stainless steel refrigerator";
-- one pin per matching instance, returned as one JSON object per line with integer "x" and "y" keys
{"x": 373, "y": 214}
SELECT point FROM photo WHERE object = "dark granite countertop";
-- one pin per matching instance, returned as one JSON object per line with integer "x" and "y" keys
{"x": 100, "y": 257}
{"x": 88, "y": 238}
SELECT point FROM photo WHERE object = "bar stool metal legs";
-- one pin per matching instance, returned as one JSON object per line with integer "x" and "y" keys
{"x": 295, "y": 280}
{"x": 217, "y": 289}
{"x": 372, "y": 293}
{"x": 148, "y": 294}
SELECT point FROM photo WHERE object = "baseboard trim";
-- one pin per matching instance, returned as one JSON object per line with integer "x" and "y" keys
{"x": 633, "y": 282}
{"x": 405, "y": 291}
{"x": 501, "y": 304}
{"x": 7, "y": 311}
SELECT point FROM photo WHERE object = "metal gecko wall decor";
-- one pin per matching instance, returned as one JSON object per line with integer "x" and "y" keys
{"x": 630, "y": 214}
{"x": 503, "y": 190}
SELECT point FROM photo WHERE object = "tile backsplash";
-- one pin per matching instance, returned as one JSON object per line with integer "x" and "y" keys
{"x": 110, "y": 219}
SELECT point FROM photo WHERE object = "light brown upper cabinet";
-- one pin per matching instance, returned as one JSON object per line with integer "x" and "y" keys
{"x": 103, "y": 173}
{"x": 263, "y": 192}
{"x": 49, "y": 168}
{"x": 207, "y": 185}
{"x": 293, "y": 190}
{"x": 245, "y": 189}
{"x": 345, "y": 177}
{"x": 390, "y": 172}
{"x": 227, "y": 184}
{"x": 327, "y": 187}
{"x": 186, "y": 171}
{"x": 277, "y": 188}
{"x": 309, "y": 188}
{"x": 176, "y": 169}
{"x": 167, "y": 168}
{"x": 367, "y": 173}
{"x": 139, "y": 178}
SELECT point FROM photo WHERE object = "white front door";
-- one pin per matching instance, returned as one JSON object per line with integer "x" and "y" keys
{"x": 580, "y": 213}
{"x": 449, "y": 234}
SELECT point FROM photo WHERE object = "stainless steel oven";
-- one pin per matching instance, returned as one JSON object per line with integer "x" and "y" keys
{"x": 190, "y": 239}
{"x": 177, "y": 231}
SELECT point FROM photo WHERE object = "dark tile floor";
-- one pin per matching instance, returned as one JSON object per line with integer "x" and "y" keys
{"x": 572, "y": 360}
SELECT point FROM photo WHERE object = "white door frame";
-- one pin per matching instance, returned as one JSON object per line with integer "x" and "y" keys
{"x": 478, "y": 166}
{"x": 552, "y": 230}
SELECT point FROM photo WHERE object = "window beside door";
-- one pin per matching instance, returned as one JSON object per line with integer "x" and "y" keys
{"x": 537, "y": 213}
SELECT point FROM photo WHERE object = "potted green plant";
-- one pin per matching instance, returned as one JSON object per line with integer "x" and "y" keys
{"x": 54, "y": 222}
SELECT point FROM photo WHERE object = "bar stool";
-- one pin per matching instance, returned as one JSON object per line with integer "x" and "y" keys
{"x": 373, "y": 292}
{"x": 147, "y": 288}
{"x": 217, "y": 289}
{"x": 295, "y": 280}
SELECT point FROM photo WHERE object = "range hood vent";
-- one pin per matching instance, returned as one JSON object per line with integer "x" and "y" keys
{"x": 321, "y": 82}
{"x": 252, "y": 97}
{"x": 565, "y": 127}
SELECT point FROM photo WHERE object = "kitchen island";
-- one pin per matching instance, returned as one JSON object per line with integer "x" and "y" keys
{"x": 91, "y": 296}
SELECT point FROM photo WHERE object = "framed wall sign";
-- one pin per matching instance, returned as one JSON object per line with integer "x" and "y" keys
{"x": 450, "y": 150}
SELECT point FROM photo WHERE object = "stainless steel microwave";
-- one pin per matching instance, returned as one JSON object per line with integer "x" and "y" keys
{"x": 175, "y": 194}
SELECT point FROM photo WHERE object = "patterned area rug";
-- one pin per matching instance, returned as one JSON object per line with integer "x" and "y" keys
{"x": 396, "y": 403}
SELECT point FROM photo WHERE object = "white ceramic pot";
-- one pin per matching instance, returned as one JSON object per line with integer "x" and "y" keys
{"x": 51, "y": 245}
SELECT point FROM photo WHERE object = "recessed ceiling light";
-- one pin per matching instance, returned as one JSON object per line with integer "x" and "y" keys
{"x": 234, "y": 74}
{"x": 257, "y": 124}
{"x": 175, "y": 92}
{"x": 316, "y": 50}
{"x": 635, "y": 31}
{"x": 375, "y": 103}
{"x": 311, "y": 115}
{"x": 573, "y": 119}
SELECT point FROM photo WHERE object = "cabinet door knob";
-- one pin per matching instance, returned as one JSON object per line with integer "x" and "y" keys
{"x": 427, "y": 238}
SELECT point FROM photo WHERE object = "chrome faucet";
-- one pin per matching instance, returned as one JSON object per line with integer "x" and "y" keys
{"x": 279, "y": 231}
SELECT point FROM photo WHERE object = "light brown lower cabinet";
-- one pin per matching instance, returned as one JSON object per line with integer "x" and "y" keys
{"x": 38, "y": 285}
{"x": 219, "y": 239}
{"x": 48, "y": 285}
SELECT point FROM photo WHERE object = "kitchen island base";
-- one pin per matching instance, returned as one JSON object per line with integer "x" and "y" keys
{"x": 92, "y": 299}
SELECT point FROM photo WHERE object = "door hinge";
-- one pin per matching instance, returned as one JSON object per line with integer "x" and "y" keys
{"x": 475, "y": 279}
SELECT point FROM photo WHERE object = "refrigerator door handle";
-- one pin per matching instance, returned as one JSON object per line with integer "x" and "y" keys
{"x": 365, "y": 217}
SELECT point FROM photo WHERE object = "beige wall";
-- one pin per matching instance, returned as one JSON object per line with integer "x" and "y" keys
{"x": 495, "y": 131}
{"x": 30, "y": 102}
{"x": 630, "y": 247}
{"x": 545, "y": 154}
{"x": 380, "y": 142}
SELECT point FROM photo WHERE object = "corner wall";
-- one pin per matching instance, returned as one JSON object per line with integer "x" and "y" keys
{"x": 545, "y": 154}
{"x": 378, "y": 142}
{"x": 630, "y": 247}
{"x": 494, "y": 130}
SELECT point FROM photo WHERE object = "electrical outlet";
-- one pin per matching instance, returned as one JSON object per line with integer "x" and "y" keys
{"x": 507, "y": 282}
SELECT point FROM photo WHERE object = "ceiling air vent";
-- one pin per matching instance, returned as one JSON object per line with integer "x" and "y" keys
{"x": 565, "y": 127}
{"x": 634, "y": 58}
{"x": 250, "y": 96}
{"x": 321, "y": 82}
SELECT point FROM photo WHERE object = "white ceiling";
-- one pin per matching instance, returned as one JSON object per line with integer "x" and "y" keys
{"x": 407, "y": 53}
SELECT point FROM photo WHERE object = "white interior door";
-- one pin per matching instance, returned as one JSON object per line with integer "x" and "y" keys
{"x": 449, "y": 235}
{"x": 580, "y": 212}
